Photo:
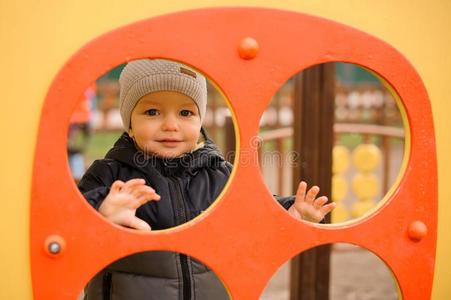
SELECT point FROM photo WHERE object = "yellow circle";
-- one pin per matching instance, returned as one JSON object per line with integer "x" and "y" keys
{"x": 365, "y": 185}
{"x": 339, "y": 188}
{"x": 340, "y": 159}
{"x": 340, "y": 213}
{"x": 361, "y": 207}
{"x": 366, "y": 157}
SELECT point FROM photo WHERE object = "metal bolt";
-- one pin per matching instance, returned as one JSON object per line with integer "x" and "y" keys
{"x": 54, "y": 248}
{"x": 54, "y": 245}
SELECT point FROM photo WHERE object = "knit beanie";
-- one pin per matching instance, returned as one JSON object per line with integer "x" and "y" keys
{"x": 144, "y": 76}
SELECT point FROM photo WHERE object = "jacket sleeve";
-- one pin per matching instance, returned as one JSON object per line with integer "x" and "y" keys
{"x": 228, "y": 166}
{"x": 286, "y": 202}
{"x": 96, "y": 182}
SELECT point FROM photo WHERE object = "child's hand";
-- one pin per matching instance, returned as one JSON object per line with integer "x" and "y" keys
{"x": 122, "y": 201}
{"x": 308, "y": 207}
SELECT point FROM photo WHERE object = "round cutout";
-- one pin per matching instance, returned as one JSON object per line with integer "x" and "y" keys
{"x": 155, "y": 275}
{"x": 101, "y": 151}
{"x": 339, "y": 127}
{"x": 352, "y": 272}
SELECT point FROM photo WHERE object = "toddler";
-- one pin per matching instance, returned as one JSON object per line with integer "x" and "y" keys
{"x": 162, "y": 172}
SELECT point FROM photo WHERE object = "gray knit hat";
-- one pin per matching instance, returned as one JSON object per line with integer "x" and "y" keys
{"x": 144, "y": 76}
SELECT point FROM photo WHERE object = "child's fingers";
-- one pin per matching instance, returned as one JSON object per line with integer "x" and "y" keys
{"x": 311, "y": 194}
{"x": 137, "y": 196}
{"x": 137, "y": 223}
{"x": 134, "y": 204}
{"x": 300, "y": 193}
{"x": 328, "y": 208}
{"x": 144, "y": 198}
{"x": 130, "y": 184}
{"x": 138, "y": 190}
{"x": 145, "y": 192}
{"x": 318, "y": 203}
{"x": 134, "y": 182}
{"x": 116, "y": 186}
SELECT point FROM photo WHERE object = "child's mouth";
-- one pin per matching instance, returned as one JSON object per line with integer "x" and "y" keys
{"x": 171, "y": 143}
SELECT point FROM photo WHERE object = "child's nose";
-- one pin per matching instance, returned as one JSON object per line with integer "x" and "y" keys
{"x": 170, "y": 123}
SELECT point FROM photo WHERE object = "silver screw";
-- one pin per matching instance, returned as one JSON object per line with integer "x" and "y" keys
{"x": 54, "y": 248}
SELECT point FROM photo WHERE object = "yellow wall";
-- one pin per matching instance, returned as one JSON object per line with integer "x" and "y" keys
{"x": 37, "y": 37}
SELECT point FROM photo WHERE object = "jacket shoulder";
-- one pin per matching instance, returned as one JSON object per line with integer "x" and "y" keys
{"x": 101, "y": 173}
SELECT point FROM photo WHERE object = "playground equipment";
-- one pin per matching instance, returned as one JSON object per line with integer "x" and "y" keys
{"x": 69, "y": 242}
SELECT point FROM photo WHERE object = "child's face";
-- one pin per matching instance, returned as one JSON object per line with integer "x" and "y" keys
{"x": 166, "y": 124}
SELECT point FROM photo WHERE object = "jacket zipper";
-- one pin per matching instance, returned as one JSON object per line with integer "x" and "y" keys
{"x": 181, "y": 217}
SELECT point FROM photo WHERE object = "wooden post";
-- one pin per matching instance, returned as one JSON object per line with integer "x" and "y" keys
{"x": 313, "y": 131}
{"x": 230, "y": 145}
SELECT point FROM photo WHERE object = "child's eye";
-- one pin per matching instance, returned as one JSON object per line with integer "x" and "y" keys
{"x": 152, "y": 112}
{"x": 186, "y": 113}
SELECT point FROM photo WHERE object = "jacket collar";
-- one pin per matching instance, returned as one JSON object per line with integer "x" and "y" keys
{"x": 125, "y": 151}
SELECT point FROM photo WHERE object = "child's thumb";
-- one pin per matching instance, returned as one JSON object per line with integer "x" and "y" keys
{"x": 139, "y": 224}
{"x": 117, "y": 185}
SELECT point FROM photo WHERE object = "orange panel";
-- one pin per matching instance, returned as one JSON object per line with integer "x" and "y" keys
{"x": 249, "y": 235}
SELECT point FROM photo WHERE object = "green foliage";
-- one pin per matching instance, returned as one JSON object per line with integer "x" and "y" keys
{"x": 99, "y": 143}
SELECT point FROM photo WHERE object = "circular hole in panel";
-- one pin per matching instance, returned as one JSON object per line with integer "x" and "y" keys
{"x": 352, "y": 273}
{"x": 155, "y": 275}
{"x": 337, "y": 126}
{"x": 176, "y": 142}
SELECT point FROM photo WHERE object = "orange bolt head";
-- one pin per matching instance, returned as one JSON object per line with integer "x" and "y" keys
{"x": 417, "y": 230}
{"x": 248, "y": 48}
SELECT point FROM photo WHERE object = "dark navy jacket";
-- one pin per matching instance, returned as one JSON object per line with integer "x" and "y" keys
{"x": 187, "y": 185}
